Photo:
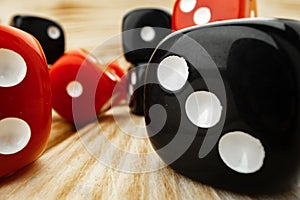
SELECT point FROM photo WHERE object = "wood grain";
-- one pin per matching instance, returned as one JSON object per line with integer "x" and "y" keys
{"x": 69, "y": 169}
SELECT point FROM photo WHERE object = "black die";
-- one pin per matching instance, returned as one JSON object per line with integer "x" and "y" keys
{"x": 228, "y": 94}
{"x": 142, "y": 30}
{"x": 49, "y": 33}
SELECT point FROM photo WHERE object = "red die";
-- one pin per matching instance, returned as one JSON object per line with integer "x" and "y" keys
{"x": 81, "y": 88}
{"x": 188, "y": 13}
{"x": 25, "y": 117}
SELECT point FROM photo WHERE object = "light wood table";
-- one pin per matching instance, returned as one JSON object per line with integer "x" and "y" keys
{"x": 67, "y": 170}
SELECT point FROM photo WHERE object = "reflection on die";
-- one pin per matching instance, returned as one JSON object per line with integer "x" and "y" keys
{"x": 48, "y": 32}
{"x": 188, "y": 13}
{"x": 135, "y": 88}
{"x": 230, "y": 92}
{"x": 82, "y": 87}
{"x": 25, "y": 117}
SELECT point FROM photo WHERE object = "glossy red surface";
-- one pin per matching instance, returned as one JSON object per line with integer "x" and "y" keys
{"x": 97, "y": 86}
{"x": 220, "y": 10}
{"x": 30, "y": 100}
{"x": 115, "y": 68}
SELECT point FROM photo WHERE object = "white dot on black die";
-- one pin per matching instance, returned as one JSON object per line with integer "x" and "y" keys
{"x": 187, "y": 5}
{"x": 147, "y": 33}
{"x": 203, "y": 109}
{"x": 13, "y": 68}
{"x": 241, "y": 152}
{"x": 202, "y": 16}
{"x": 53, "y": 32}
{"x": 15, "y": 134}
{"x": 74, "y": 89}
{"x": 172, "y": 73}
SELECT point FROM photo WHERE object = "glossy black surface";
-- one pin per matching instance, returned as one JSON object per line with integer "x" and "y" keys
{"x": 38, "y": 27}
{"x": 136, "y": 49}
{"x": 135, "y": 88}
{"x": 259, "y": 62}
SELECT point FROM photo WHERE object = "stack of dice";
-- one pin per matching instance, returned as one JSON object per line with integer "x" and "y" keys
{"x": 229, "y": 91}
{"x": 143, "y": 29}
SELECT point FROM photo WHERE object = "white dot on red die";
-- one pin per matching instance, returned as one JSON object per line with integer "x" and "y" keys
{"x": 203, "y": 109}
{"x": 147, "y": 33}
{"x": 172, "y": 73}
{"x": 202, "y": 16}
{"x": 53, "y": 32}
{"x": 13, "y": 68}
{"x": 241, "y": 152}
{"x": 74, "y": 89}
{"x": 14, "y": 135}
{"x": 187, "y": 5}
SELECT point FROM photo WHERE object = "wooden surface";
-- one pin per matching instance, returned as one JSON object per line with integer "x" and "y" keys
{"x": 67, "y": 170}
